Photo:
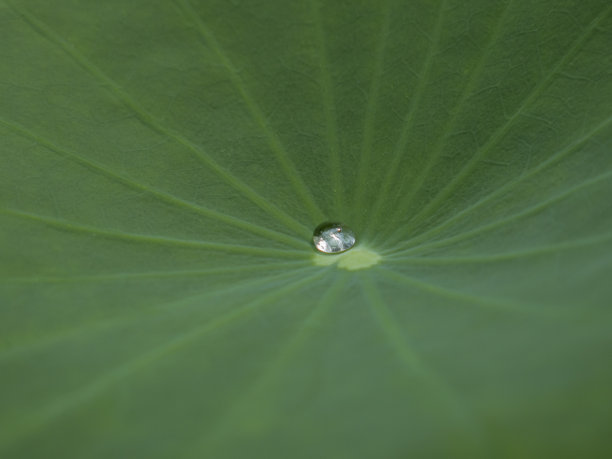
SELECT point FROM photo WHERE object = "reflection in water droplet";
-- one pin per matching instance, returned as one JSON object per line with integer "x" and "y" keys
{"x": 333, "y": 238}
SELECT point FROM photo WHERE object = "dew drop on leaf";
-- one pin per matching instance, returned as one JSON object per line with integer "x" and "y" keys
{"x": 333, "y": 238}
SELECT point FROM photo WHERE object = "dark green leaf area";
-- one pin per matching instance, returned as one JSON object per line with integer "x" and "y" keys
{"x": 164, "y": 165}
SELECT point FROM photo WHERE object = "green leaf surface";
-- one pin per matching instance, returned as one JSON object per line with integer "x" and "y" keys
{"x": 165, "y": 162}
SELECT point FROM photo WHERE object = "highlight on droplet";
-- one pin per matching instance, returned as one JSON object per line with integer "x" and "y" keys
{"x": 333, "y": 238}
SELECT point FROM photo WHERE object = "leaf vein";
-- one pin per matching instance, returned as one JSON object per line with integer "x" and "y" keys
{"x": 147, "y": 119}
{"x": 275, "y": 143}
{"x": 151, "y": 239}
{"x": 435, "y": 203}
{"x": 159, "y": 194}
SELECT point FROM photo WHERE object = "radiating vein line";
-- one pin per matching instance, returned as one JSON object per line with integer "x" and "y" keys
{"x": 459, "y": 413}
{"x": 18, "y": 349}
{"x": 275, "y": 143}
{"x": 373, "y": 98}
{"x": 329, "y": 106}
{"x": 466, "y": 298}
{"x": 511, "y": 184}
{"x": 149, "y": 239}
{"x": 435, "y": 203}
{"x": 468, "y": 89}
{"x": 508, "y": 256}
{"x": 149, "y": 120}
{"x": 71, "y": 401}
{"x": 181, "y": 274}
{"x": 239, "y": 405}
{"x": 390, "y": 328}
{"x": 159, "y": 194}
{"x": 408, "y": 119}
{"x": 512, "y": 218}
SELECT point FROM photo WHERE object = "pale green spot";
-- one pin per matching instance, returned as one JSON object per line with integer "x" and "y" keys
{"x": 325, "y": 260}
{"x": 357, "y": 258}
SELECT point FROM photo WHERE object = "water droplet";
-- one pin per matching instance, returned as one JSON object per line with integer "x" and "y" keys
{"x": 333, "y": 238}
